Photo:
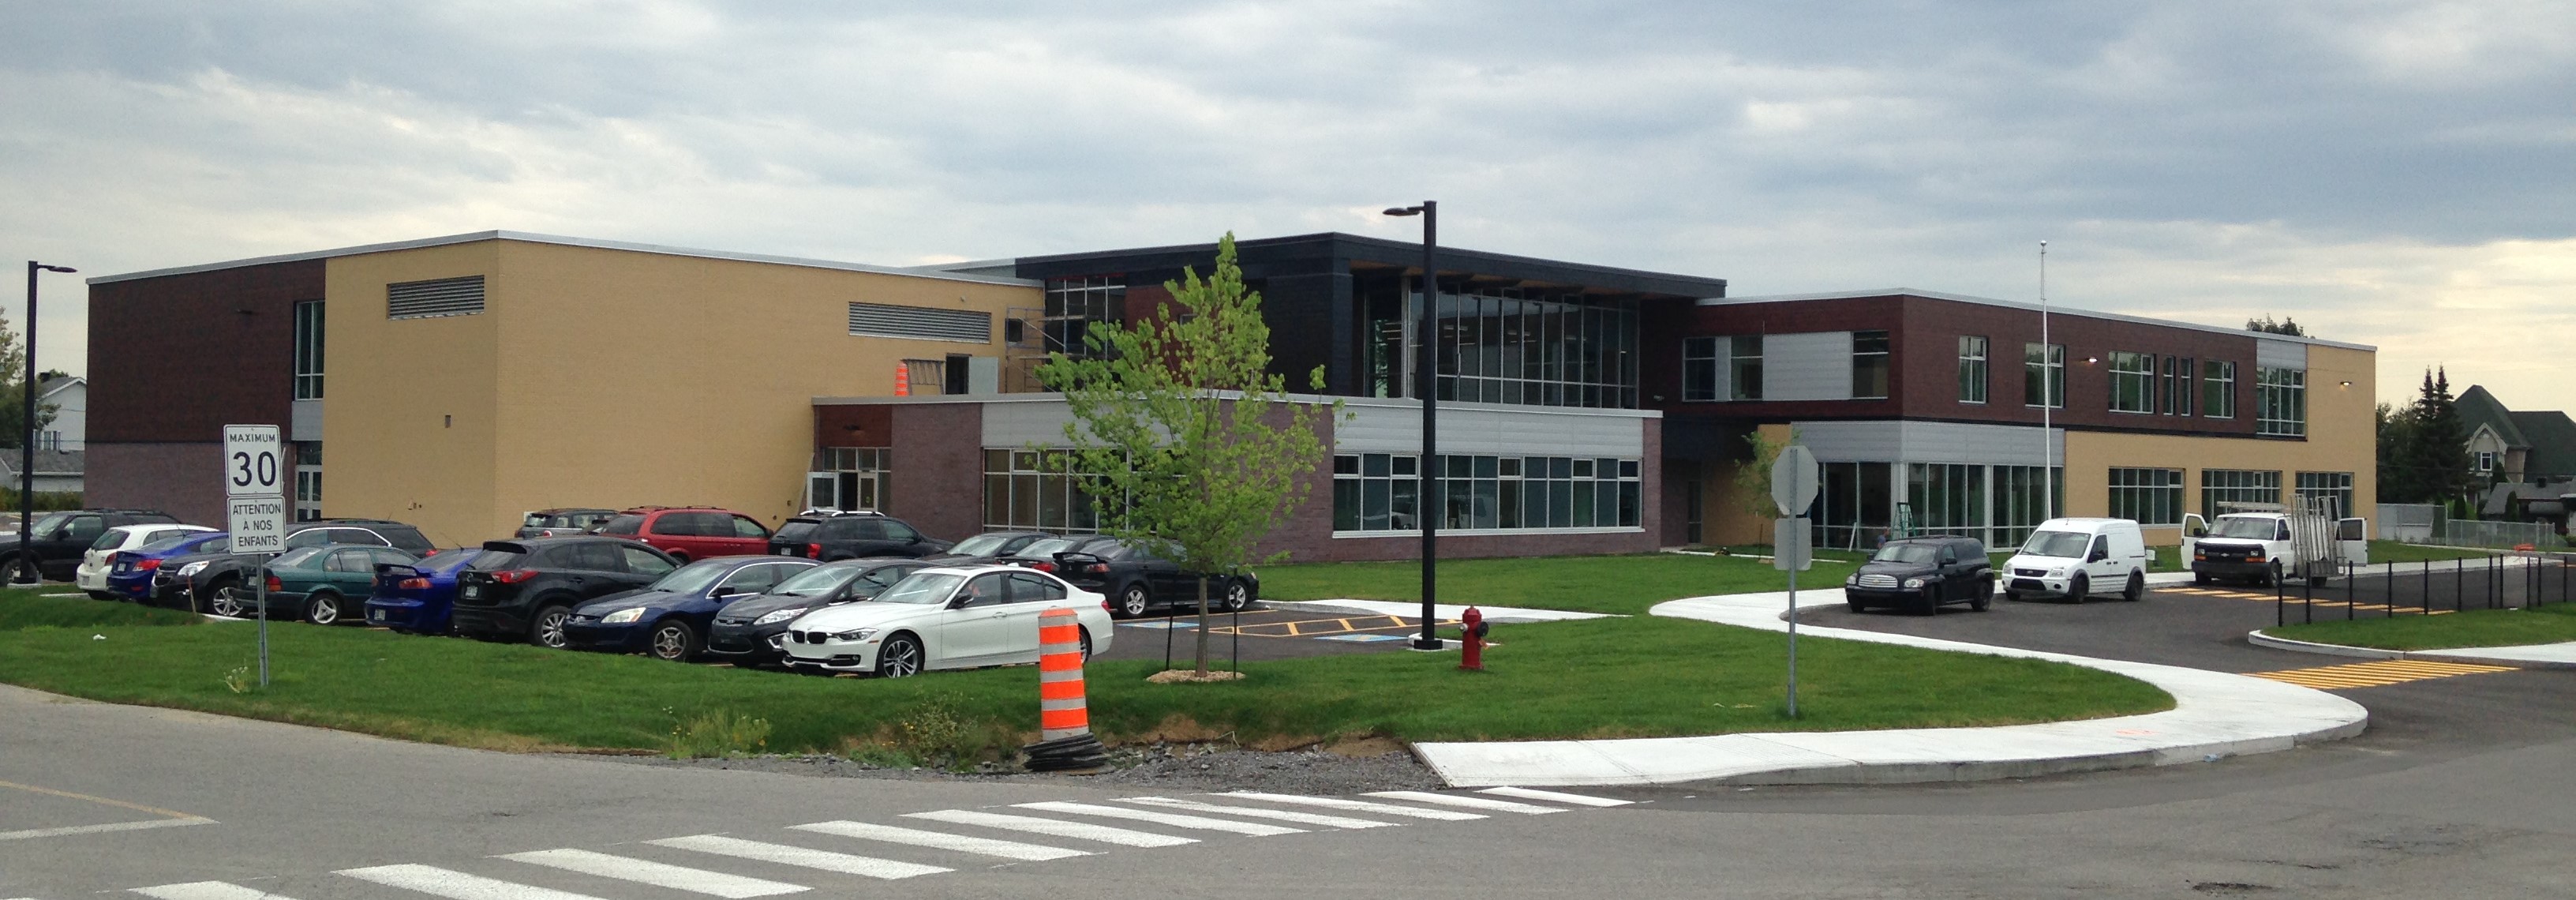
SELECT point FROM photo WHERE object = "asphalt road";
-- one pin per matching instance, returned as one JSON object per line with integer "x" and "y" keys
{"x": 2462, "y": 788}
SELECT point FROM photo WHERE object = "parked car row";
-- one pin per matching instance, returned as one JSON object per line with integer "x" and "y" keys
{"x": 2074, "y": 558}
{"x": 829, "y": 591}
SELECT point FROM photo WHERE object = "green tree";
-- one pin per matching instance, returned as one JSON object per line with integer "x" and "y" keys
{"x": 2265, "y": 325}
{"x": 13, "y": 410}
{"x": 2438, "y": 454}
{"x": 2396, "y": 429}
{"x": 1187, "y": 441}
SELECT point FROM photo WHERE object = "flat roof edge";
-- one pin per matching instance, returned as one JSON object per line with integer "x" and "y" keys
{"x": 562, "y": 240}
{"x": 2053, "y": 309}
{"x": 1373, "y": 402}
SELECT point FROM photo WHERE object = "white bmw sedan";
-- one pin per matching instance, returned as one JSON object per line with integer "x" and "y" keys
{"x": 944, "y": 618}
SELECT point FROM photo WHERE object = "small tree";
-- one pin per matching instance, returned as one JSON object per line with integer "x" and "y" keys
{"x": 2439, "y": 460}
{"x": 2397, "y": 483}
{"x": 14, "y": 429}
{"x": 1183, "y": 436}
{"x": 2286, "y": 326}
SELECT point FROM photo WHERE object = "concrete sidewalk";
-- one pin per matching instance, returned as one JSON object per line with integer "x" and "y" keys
{"x": 2528, "y": 656}
{"x": 1500, "y": 615}
{"x": 2215, "y": 715}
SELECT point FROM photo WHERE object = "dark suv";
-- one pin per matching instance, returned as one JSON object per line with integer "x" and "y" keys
{"x": 852, "y": 535}
{"x": 526, "y": 589}
{"x": 1135, "y": 580}
{"x": 1919, "y": 574}
{"x": 199, "y": 578}
{"x": 60, "y": 538}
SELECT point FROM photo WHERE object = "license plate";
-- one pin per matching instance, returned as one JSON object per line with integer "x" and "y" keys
{"x": 376, "y": 616}
{"x": 786, "y": 551}
{"x": 473, "y": 592}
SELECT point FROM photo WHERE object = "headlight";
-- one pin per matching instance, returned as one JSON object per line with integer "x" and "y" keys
{"x": 192, "y": 568}
{"x": 622, "y": 616}
{"x": 776, "y": 616}
{"x": 1850, "y": 580}
{"x": 2059, "y": 572}
{"x": 855, "y": 634}
{"x": 1914, "y": 582}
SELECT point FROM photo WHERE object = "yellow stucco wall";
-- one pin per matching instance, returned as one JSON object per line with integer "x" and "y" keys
{"x": 600, "y": 377}
{"x": 2342, "y": 437}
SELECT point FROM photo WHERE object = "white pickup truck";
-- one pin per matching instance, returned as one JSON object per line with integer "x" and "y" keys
{"x": 2268, "y": 546}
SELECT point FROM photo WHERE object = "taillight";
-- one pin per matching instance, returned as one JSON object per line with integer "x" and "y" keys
{"x": 433, "y": 551}
{"x": 146, "y": 565}
{"x": 110, "y": 560}
{"x": 412, "y": 584}
{"x": 274, "y": 585}
{"x": 814, "y": 551}
{"x": 1043, "y": 566}
{"x": 1104, "y": 606}
{"x": 514, "y": 576}
{"x": 1097, "y": 569}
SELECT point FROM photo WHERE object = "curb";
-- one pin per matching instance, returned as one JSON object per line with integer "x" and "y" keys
{"x": 2215, "y": 715}
{"x": 2457, "y": 654}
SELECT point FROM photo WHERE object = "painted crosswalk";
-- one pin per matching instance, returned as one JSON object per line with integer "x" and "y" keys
{"x": 2376, "y": 674}
{"x": 2324, "y": 604}
{"x": 744, "y": 866}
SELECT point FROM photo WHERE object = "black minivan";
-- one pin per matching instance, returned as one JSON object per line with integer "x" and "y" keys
{"x": 525, "y": 589}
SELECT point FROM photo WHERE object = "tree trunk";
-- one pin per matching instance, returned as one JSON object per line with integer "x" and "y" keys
{"x": 1203, "y": 626}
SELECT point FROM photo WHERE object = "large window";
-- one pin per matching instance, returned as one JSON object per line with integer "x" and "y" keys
{"x": 1972, "y": 368}
{"x": 2178, "y": 385}
{"x": 1869, "y": 365}
{"x": 1854, "y": 504}
{"x": 1744, "y": 367}
{"x": 1073, "y": 304}
{"x": 1507, "y": 345}
{"x": 308, "y": 481}
{"x": 2043, "y": 381}
{"x": 2336, "y": 486}
{"x": 850, "y": 478}
{"x": 2023, "y": 500}
{"x": 1378, "y": 492}
{"x": 2218, "y": 389}
{"x": 1030, "y": 489}
{"x": 1947, "y": 498}
{"x": 1699, "y": 369}
{"x": 308, "y": 350}
{"x": 2280, "y": 401}
{"x": 2219, "y": 487}
{"x": 2133, "y": 382}
{"x": 2147, "y": 496}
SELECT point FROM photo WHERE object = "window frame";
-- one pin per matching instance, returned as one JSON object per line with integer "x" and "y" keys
{"x": 2132, "y": 381}
{"x": 2280, "y": 401}
{"x": 308, "y": 352}
{"x": 2218, "y": 389}
{"x": 1699, "y": 369}
{"x": 1973, "y": 368}
{"x": 1873, "y": 358}
{"x": 1744, "y": 370}
{"x": 2050, "y": 377}
{"x": 2155, "y": 490}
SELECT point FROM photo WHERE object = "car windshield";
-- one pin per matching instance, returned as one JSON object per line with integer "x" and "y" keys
{"x": 1910, "y": 554}
{"x": 2248, "y": 527}
{"x": 166, "y": 545}
{"x": 981, "y": 545}
{"x": 1045, "y": 549}
{"x": 2065, "y": 544}
{"x": 816, "y": 582}
{"x": 51, "y": 521}
{"x": 922, "y": 590}
{"x": 296, "y": 558}
{"x": 692, "y": 578}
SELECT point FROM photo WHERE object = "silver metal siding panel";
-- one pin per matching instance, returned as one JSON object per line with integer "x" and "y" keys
{"x": 2271, "y": 354}
{"x": 1021, "y": 424}
{"x": 1812, "y": 365}
{"x": 1929, "y": 442}
{"x": 1500, "y": 432}
{"x": 304, "y": 422}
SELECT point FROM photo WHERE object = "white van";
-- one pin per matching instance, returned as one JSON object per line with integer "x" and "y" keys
{"x": 2079, "y": 558}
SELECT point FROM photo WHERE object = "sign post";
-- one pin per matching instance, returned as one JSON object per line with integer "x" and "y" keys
{"x": 1793, "y": 489}
{"x": 252, "y": 458}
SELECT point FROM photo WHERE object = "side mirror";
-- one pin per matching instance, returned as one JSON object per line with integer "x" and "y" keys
{"x": 725, "y": 590}
{"x": 2197, "y": 531}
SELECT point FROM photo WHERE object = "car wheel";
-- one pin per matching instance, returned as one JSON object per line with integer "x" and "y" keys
{"x": 2316, "y": 581}
{"x": 2014, "y": 596}
{"x": 2200, "y": 578}
{"x": 322, "y": 609}
{"x": 226, "y": 603}
{"x": 546, "y": 628}
{"x": 2273, "y": 578}
{"x": 1985, "y": 596}
{"x": 1928, "y": 601}
{"x": 1134, "y": 601}
{"x": 673, "y": 641}
{"x": 14, "y": 571}
{"x": 1854, "y": 605}
{"x": 2079, "y": 587}
{"x": 1237, "y": 596}
{"x": 1086, "y": 645}
{"x": 900, "y": 657}
{"x": 2137, "y": 589}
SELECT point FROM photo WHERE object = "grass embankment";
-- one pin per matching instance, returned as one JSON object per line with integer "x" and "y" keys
{"x": 1625, "y": 585}
{"x": 2551, "y": 624}
{"x": 22, "y": 609}
{"x": 2394, "y": 552}
{"x": 1625, "y": 677}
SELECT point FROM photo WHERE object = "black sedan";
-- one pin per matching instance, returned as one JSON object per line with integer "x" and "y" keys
{"x": 1136, "y": 581}
{"x": 989, "y": 546}
{"x": 746, "y": 631}
{"x": 1920, "y": 574}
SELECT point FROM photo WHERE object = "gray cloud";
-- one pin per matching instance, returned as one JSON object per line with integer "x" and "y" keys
{"x": 2208, "y": 158}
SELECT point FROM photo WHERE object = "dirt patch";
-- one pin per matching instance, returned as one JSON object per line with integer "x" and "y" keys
{"x": 1192, "y": 676}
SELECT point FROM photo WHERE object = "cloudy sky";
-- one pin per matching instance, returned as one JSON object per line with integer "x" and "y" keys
{"x": 2395, "y": 173}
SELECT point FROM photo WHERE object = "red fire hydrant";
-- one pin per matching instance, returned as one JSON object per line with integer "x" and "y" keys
{"x": 1471, "y": 653}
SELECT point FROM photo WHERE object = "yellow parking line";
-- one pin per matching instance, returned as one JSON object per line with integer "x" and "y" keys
{"x": 137, "y": 807}
{"x": 2376, "y": 674}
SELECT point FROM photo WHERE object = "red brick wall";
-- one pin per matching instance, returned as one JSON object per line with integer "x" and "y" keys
{"x": 938, "y": 466}
{"x": 179, "y": 357}
{"x": 857, "y": 425}
{"x": 182, "y": 479}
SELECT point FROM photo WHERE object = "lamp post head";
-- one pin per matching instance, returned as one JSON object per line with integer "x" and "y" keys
{"x": 1404, "y": 210}
{"x": 56, "y": 268}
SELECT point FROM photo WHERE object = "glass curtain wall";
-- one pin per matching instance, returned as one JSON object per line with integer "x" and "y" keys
{"x": 1378, "y": 492}
{"x": 1507, "y": 346}
{"x": 1947, "y": 498}
{"x": 1030, "y": 489}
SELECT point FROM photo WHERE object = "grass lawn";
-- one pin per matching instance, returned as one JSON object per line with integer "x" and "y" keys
{"x": 1598, "y": 678}
{"x": 2549, "y": 624}
{"x": 2392, "y": 551}
{"x": 1627, "y": 585}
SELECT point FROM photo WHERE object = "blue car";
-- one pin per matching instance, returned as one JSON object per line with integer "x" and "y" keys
{"x": 131, "y": 577}
{"x": 669, "y": 618}
{"x": 419, "y": 598}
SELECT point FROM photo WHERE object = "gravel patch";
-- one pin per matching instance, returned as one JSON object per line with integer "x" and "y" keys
{"x": 1183, "y": 767}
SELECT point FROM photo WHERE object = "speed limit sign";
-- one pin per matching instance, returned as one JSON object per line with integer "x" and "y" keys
{"x": 252, "y": 459}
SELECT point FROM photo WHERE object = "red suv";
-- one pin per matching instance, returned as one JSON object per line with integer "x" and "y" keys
{"x": 691, "y": 532}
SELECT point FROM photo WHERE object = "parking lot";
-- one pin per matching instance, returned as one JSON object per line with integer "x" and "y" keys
{"x": 1263, "y": 633}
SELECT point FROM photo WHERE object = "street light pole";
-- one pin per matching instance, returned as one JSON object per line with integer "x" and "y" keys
{"x": 27, "y": 443}
{"x": 1426, "y": 383}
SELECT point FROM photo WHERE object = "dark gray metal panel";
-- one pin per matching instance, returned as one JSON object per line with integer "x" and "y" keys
{"x": 434, "y": 298}
{"x": 881, "y": 320}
